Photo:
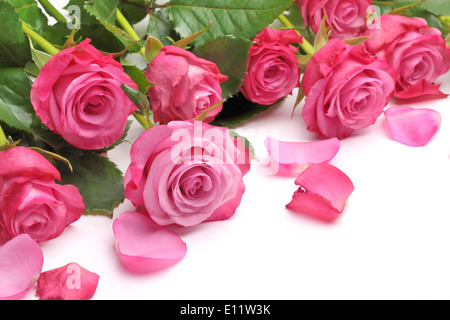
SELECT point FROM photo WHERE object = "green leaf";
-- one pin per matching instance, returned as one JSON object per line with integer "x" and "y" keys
{"x": 40, "y": 58}
{"x": 137, "y": 75}
{"x": 14, "y": 47}
{"x": 231, "y": 57}
{"x": 121, "y": 35}
{"x": 139, "y": 99}
{"x": 243, "y": 19}
{"x": 133, "y": 13}
{"x": 238, "y": 110}
{"x": 98, "y": 179}
{"x": 30, "y": 13}
{"x": 186, "y": 41}
{"x": 16, "y": 109}
{"x": 104, "y": 9}
{"x": 160, "y": 27}
{"x": 438, "y": 7}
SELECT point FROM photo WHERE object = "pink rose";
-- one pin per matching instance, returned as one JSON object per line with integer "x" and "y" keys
{"x": 187, "y": 172}
{"x": 272, "y": 70}
{"x": 417, "y": 52}
{"x": 78, "y": 95}
{"x": 30, "y": 200}
{"x": 185, "y": 86}
{"x": 346, "y": 89}
{"x": 348, "y": 18}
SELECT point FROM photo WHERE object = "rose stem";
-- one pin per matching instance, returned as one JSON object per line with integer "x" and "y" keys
{"x": 51, "y": 10}
{"x": 3, "y": 139}
{"x": 129, "y": 29}
{"x": 309, "y": 49}
{"x": 47, "y": 46}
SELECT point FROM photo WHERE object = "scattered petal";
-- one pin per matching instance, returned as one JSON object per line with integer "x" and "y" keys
{"x": 21, "y": 261}
{"x": 144, "y": 246}
{"x": 323, "y": 192}
{"x": 71, "y": 282}
{"x": 412, "y": 127}
{"x": 292, "y": 155}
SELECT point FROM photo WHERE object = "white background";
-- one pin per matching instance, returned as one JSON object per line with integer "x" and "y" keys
{"x": 391, "y": 242}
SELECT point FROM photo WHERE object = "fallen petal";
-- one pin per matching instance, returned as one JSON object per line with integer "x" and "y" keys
{"x": 292, "y": 155}
{"x": 144, "y": 246}
{"x": 413, "y": 127}
{"x": 71, "y": 282}
{"x": 21, "y": 261}
{"x": 323, "y": 192}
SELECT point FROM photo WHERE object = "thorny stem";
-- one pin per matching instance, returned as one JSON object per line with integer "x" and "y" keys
{"x": 47, "y": 46}
{"x": 51, "y": 10}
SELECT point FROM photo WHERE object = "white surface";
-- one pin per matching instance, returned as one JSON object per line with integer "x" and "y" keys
{"x": 391, "y": 242}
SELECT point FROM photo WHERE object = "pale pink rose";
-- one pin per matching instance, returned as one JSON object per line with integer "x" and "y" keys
{"x": 323, "y": 192}
{"x": 21, "y": 261}
{"x": 348, "y": 18}
{"x": 78, "y": 95}
{"x": 71, "y": 282}
{"x": 31, "y": 202}
{"x": 416, "y": 51}
{"x": 413, "y": 127}
{"x": 144, "y": 246}
{"x": 272, "y": 70}
{"x": 346, "y": 89}
{"x": 187, "y": 172}
{"x": 185, "y": 86}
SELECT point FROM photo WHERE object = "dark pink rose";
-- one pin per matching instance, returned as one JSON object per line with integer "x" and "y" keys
{"x": 346, "y": 89}
{"x": 187, "y": 172}
{"x": 78, "y": 95}
{"x": 272, "y": 71}
{"x": 185, "y": 86}
{"x": 30, "y": 200}
{"x": 417, "y": 52}
{"x": 348, "y": 18}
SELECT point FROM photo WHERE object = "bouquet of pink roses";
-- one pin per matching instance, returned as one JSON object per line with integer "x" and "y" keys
{"x": 70, "y": 90}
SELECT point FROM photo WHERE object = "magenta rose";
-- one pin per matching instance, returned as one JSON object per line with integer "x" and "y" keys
{"x": 187, "y": 172}
{"x": 77, "y": 95}
{"x": 272, "y": 70}
{"x": 185, "y": 86}
{"x": 348, "y": 18}
{"x": 417, "y": 52}
{"x": 30, "y": 200}
{"x": 346, "y": 89}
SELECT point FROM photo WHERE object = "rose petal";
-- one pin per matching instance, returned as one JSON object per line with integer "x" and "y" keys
{"x": 412, "y": 127}
{"x": 71, "y": 282}
{"x": 420, "y": 89}
{"x": 21, "y": 261}
{"x": 323, "y": 192}
{"x": 144, "y": 246}
{"x": 292, "y": 154}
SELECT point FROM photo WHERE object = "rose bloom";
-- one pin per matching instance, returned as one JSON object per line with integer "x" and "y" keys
{"x": 77, "y": 95}
{"x": 417, "y": 52}
{"x": 187, "y": 172}
{"x": 348, "y": 18}
{"x": 30, "y": 200}
{"x": 346, "y": 89}
{"x": 185, "y": 86}
{"x": 272, "y": 70}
